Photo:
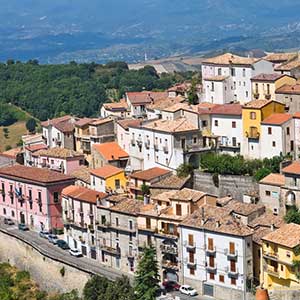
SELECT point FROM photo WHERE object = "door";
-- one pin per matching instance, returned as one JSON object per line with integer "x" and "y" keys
{"x": 93, "y": 254}
{"x": 148, "y": 223}
{"x": 22, "y": 218}
{"x": 232, "y": 266}
{"x": 83, "y": 250}
{"x": 208, "y": 290}
{"x": 178, "y": 209}
{"x": 211, "y": 261}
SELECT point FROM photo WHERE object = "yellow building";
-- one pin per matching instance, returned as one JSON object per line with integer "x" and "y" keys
{"x": 108, "y": 179}
{"x": 253, "y": 113}
{"x": 265, "y": 85}
{"x": 281, "y": 258}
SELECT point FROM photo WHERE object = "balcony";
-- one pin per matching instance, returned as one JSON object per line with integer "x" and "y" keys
{"x": 166, "y": 149}
{"x": 147, "y": 144}
{"x": 196, "y": 148}
{"x": 190, "y": 264}
{"x": 271, "y": 270}
{"x": 139, "y": 142}
{"x": 166, "y": 264}
{"x": 147, "y": 228}
{"x": 167, "y": 234}
{"x": 103, "y": 225}
{"x": 132, "y": 142}
{"x": 170, "y": 249}
{"x": 252, "y": 135}
{"x": 156, "y": 147}
{"x": 130, "y": 255}
{"x": 111, "y": 250}
{"x": 268, "y": 96}
{"x": 211, "y": 251}
{"x": 79, "y": 227}
{"x": 188, "y": 246}
{"x": 233, "y": 273}
{"x": 127, "y": 228}
{"x": 270, "y": 255}
{"x": 256, "y": 95}
{"x": 231, "y": 255}
{"x": 211, "y": 269}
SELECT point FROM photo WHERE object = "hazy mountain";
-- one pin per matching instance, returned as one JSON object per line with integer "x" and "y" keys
{"x": 60, "y": 30}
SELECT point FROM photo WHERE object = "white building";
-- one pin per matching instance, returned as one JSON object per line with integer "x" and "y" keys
{"x": 227, "y": 125}
{"x": 277, "y": 136}
{"x": 226, "y": 78}
{"x": 296, "y": 135}
{"x": 216, "y": 253}
{"x": 117, "y": 109}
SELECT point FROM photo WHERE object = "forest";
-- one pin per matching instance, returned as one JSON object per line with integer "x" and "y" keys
{"x": 47, "y": 91}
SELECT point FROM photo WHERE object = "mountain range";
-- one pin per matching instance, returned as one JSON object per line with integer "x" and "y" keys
{"x": 62, "y": 30}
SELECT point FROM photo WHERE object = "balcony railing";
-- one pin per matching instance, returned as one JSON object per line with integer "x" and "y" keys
{"x": 147, "y": 228}
{"x": 252, "y": 135}
{"x": 170, "y": 249}
{"x": 190, "y": 264}
{"x": 271, "y": 270}
{"x": 211, "y": 251}
{"x": 211, "y": 268}
{"x": 104, "y": 225}
{"x": 231, "y": 255}
{"x": 168, "y": 234}
{"x": 166, "y": 264}
{"x": 166, "y": 149}
{"x": 232, "y": 273}
{"x": 111, "y": 250}
{"x": 188, "y": 246}
{"x": 270, "y": 255}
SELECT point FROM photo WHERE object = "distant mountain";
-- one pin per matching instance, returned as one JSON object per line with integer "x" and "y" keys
{"x": 101, "y": 30}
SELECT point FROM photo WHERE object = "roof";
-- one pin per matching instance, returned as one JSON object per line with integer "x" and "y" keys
{"x": 12, "y": 152}
{"x": 280, "y": 57}
{"x": 287, "y": 235}
{"x": 171, "y": 126}
{"x": 127, "y": 122}
{"x": 289, "y": 89}
{"x": 229, "y": 59}
{"x": 6, "y": 160}
{"x": 244, "y": 209}
{"x": 59, "y": 153}
{"x": 129, "y": 206}
{"x": 145, "y": 97}
{"x": 97, "y": 122}
{"x": 106, "y": 171}
{"x": 164, "y": 103}
{"x": 36, "y": 147}
{"x": 84, "y": 122}
{"x": 267, "y": 220}
{"x": 171, "y": 182}
{"x": 116, "y": 106}
{"x": 83, "y": 174}
{"x": 32, "y": 174}
{"x": 216, "y": 78}
{"x": 288, "y": 66}
{"x": 150, "y": 174}
{"x": 83, "y": 194}
{"x": 227, "y": 109}
{"x": 173, "y": 107}
{"x": 257, "y": 104}
{"x": 277, "y": 119}
{"x": 273, "y": 179}
{"x": 296, "y": 115}
{"x": 216, "y": 219}
{"x": 259, "y": 233}
{"x": 55, "y": 121}
{"x": 111, "y": 151}
{"x": 268, "y": 77}
{"x": 293, "y": 168}
{"x": 187, "y": 194}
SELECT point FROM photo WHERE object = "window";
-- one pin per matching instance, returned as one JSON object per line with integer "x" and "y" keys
{"x": 117, "y": 221}
{"x": 273, "y": 144}
{"x": 268, "y": 193}
{"x": 221, "y": 278}
{"x": 192, "y": 271}
{"x": 232, "y": 71}
{"x": 191, "y": 257}
{"x": 234, "y": 85}
{"x": 212, "y": 86}
{"x": 288, "y": 131}
{"x": 234, "y": 141}
{"x": 212, "y": 276}
{"x": 130, "y": 224}
{"x": 253, "y": 115}
{"x": 268, "y": 89}
{"x": 216, "y": 123}
{"x": 167, "y": 161}
{"x": 210, "y": 244}
{"x": 219, "y": 72}
{"x": 191, "y": 239}
{"x": 13, "y": 213}
{"x": 233, "y": 281}
{"x": 269, "y": 130}
{"x": 247, "y": 94}
{"x": 4, "y": 211}
{"x": 56, "y": 197}
{"x": 231, "y": 248}
{"x": 178, "y": 209}
{"x": 244, "y": 72}
{"x": 195, "y": 140}
{"x": 233, "y": 124}
{"x": 292, "y": 145}
{"x": 117, "y": 184}
{"x": 204, "y": 123}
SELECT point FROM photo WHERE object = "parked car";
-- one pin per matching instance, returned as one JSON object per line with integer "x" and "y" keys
{"x": 23, "y": 227}
{"x": 75, "y": 252}
{"x": 63, "y": 244}
{"x": 187, "y": 290}
{"x": 8, "y": 221}
{"x": 52, "y": 238}
{"x": 44, "y": 234}
{"x": 171, "y": 286}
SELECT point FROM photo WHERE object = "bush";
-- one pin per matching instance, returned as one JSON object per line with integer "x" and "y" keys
{"x": 31, "y": 125}
{"x": 261, "y": 173}
{"x": 292, "y": 216}
{"x": 184, "y": 170}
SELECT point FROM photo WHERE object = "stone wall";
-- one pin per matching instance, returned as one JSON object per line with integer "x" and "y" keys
{"x": 233, "y": 185}
{"x": 43, "y": 270}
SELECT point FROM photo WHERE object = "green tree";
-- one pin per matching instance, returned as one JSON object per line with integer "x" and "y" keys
{"x": 292, "y": 216}
{"x": 147, "y": 277}
{"x": 145, "y": 189}
{"x": 192, "y": 93}
{"x": 31, "y": 125}
{"x": 261, "y": 173}
{"x": 120, "y": 290}
{"x": 95, "y": 288}
{"x": 184, "y": 170}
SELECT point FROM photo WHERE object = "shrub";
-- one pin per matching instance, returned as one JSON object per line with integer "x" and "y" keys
{"x": 184, "y": 170}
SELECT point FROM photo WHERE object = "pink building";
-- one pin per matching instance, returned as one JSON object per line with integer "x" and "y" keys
{"x": 32, "y": 196}
{"x": 58, "y": 159}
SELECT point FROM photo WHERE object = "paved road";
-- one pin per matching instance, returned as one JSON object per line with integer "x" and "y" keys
{"x": 185, "y": 297}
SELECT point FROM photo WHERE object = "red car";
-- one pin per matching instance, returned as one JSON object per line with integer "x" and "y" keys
{"x": 171, "y": 286}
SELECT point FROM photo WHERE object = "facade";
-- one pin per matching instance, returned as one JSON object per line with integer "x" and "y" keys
{"x": 32, "y": 196}
{"x": 291, "y": 68}
{"x": 108, "y": 179}
{"x": 253, "y": 113}
{"x": 116, "y": 109}
{"x": 296, "y": 134}
{"x": 289, "y": 95}
{"x": 59, "y": 132}
{"x": 278, "y": 59}
{"x": 265, "y": 85}
{"x": 30, "y": 150}
{"x": 226, "y": 78}
{"x": 82, "y": 176}
{"x": 109, "y": 153}
{"x": 280, "y": 251}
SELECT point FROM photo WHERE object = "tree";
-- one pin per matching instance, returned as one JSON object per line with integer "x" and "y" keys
{"x": 147, "y": 277}
{"x": 95, "y": 288}
{"x": 184, "y": 170}
{"x": 261, "y": 173}
{"x": 120, "y": 290}
{"x": 292, "y": 215}
{"x": 192, "y": 93}
{"x": 31, "y": 125}
{"x": 145, "y": 189}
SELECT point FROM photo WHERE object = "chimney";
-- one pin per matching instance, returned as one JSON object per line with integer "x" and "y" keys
{"x": 272, "y": 227}
{"x": 218, "y": 224}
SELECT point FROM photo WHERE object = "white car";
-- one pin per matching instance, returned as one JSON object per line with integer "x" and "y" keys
{"x": 187, "y": 290}
{"x": 75, "y": 252}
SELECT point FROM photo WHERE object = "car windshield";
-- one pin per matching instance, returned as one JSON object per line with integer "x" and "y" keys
{"x": 190, "y": 288}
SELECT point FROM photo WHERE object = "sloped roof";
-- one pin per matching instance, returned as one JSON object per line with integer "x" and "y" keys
{"x": 150, "y": 174}
{"x": 171, "y": 126}
{"x": 111, "y": 151}
{"x": 289, "y": 89}
{"x": 273, "y": 179}
{"x": 277, "y": 119}
{"x": 227, "y": 109}
{"x": 145, "y": 97}
{"x": 268, "y": 77}
{"x": 293, "y": 168}
{"x": 128, "y": 122}
{"x": 260, "y": 103}
{"x": 229, "y": 59}
{"x": 58, "y": 153}
{"x": 83, "y": 174}
{"x": 106, "y": 171}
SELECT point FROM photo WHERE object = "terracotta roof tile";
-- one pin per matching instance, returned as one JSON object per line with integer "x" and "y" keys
{"x": 268, "y": 77}
{"x": 83, "y": 194}
{"x": 116, "y": 106}
{"x": 106, "y": 171}
{"x": 273, "y": 179}
{"x": 288, "y": 66}
{"x": 216, "y": 78}
{"x": 13, "y": 152}
{"x": 164, "y": 103}
{"x": 150, "y": 174}
{"x": 129, "y": 206}
{"x": 227, "y": 109}
{"x": 259, "y": 233}
{"x": 111, "y": 151}
{"x": 84, "y": 122}
{"x": 267, "y": 220}
{"x": 58, "y": 153}
{"x": 171, "y": 182}
{"x": 289, "y": 89}
{"x": 66, "y": 126}
{"x": 55, "y": 121}
{"x": 97, "y": 122}
{"x": 138, "y": 98}
{"x": 83, "y": 174}
{"x": 127, "y": 122}
{"x": 277, "y": 119}
{"x": 178, "y": 125}
{"x": 35, "y": 174}
{"x": 229, "y": 59}
{"x": 187, "y": 194}
{"x": 36, "y": 147}
{"x": 244, "y": 209}
{"x": 257, "y": 103}
{"x": 293, "y": 168}
{"x": 280, "y": 57}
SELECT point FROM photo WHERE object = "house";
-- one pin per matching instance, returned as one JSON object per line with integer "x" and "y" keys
{"x": 108, "y": 179}
{"x": 291, "y": 68}
{"x": 289, "y": 95}
{"x": 79, "y": 214}
{"x": 30, "y": 150}
{"x": 109, "y": 154}
{"x": 122, "y": 132}
{"x": 116, "y": 109}
{"x": 227, "y": 124}
{"x": 270, "y": 191}
{"x": 277, "y": 135}
{"x": 265, "y": 85}
{"x": 280, "y": 253}
{"x": 82, "y": 176}
{"x": 6, "y": 160}
{"x": 59, "y": 132}
{"x": 31, "y": 144}
{"x": 58, "y": 159}
{"x": 280, "y": 58}
{"x": 226, "y": 77}
{"x": 216, "y": 253}
{"x": 32, "y": 196}
{"x": 146, "y": 177}
{"x": 296, "y": 134}
{"x": 253, "y": 113}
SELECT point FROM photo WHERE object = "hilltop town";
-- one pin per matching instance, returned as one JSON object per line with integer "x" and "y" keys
{"x": 206, "y": 173}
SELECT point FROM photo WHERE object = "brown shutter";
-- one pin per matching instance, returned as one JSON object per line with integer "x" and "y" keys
{"x": 191, "y": 240}
{"x": 232, "y": 266}
{"x": 210, "y": 244}
{"x": 232, "y": 248}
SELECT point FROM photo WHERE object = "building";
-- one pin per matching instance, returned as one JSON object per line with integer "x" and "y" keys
{"x": 277, "y": 135}
{"x": 30, "y": 150}
{"x": 109, "y": 153}
{"x": 280, "y": 253}
{"x": 59, "y": 132}
{"x": 253, "y": 113}
{"x": 226, "y": 78}
{"x": 82, "y": 176}
{"x": 227, "y": 124}
{"x": 289, "y": 95}
{"x": 108, "y": 179}
{"x": 216, "y": 253}
{"x": 291, "y": 68}
{"x": 116, "y": 109}
{"x": 32, "y": 196}
{"x": 280, "y": 58}
{"x": 147, "y": 177}
{"x": 58, "y": 159}
{"x": 265, "y": 85}
{"x": 79, "y": 214}
{"x": 296, "y": 134}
